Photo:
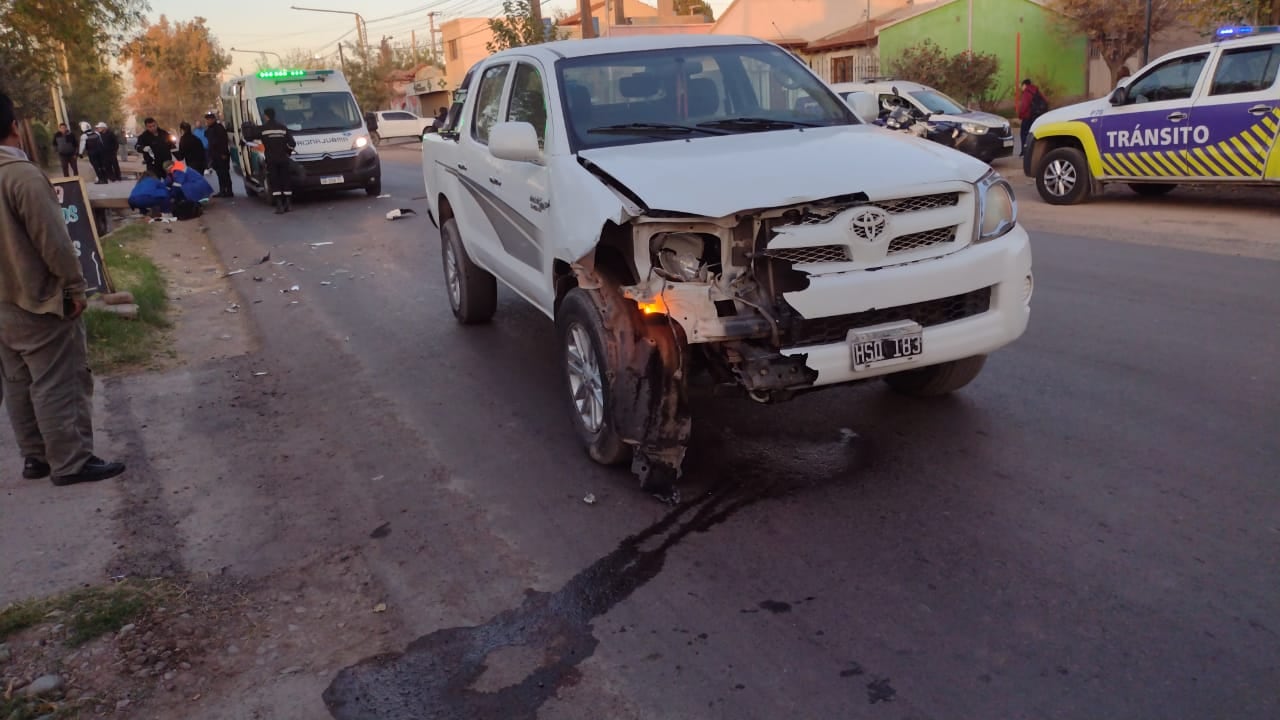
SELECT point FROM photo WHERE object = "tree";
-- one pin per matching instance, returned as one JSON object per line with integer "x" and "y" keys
{"x": 516, "y": 27}
{"x": 1213, "y": 13}
{"x": 175, "y": 70}
{"x": 695, "y": 7}
{"x": 96, "y": 93}
{"x": 1117, "y": 28}
{"x": 304, "y": 59}
{"x": 967, "y": 76}
{"x": 35, "y": 36}
{"x": 370, "y": 76}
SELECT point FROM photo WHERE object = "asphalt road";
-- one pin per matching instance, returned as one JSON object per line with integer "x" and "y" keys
{"x": 1090, "y": 530}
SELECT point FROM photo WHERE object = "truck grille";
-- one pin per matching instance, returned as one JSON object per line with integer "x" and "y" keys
{"x": 925, "y": 239}
{"x": 834, "y": 329}
{"x": 820, "y": 254}
{"x": 922, "y": 202}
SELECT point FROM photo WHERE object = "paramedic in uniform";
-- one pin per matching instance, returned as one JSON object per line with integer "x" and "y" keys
{"x": 277, "y": 145}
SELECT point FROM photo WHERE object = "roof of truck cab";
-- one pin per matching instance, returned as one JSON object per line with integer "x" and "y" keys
{"x": 637, "y": 43}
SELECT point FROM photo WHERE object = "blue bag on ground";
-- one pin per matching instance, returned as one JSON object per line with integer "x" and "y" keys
{"x": 150, "y": 192}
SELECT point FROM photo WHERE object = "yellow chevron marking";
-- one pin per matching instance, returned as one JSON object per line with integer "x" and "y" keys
{"x": 1127, "y": 165}
{"x": 1271, "y": 125}
{"x": 1259, "y": 135}
{"x": 1155, "y": 167}
{"x": 1107, "y": 168}
{"x": 1179, "y": 160}
{"x": 1256, "y": 146}
{"x": 1203, "y": 159}
{"x": 1226, "y": 165}
{"x": 1166, "y": 164}
{"x": 1195, "y": 165}
{"x": 1255, "y": 164}
{"x": 1241, "y": 163}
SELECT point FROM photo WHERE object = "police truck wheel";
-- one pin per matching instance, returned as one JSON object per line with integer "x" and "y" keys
{"x": 473, "y": 292}
{"x": 937, "y": 380}
{"x": 375, "y": 189}
{"x": 1063, "y": 178}
{"x": 1151, "y": 189}
{"x": 588, "y": 366}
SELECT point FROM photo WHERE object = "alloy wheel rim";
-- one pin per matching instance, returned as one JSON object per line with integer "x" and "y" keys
{"x": 586, "y": 384}
{"x": 1060, "y": 178}
{"x": 452, "y": 276}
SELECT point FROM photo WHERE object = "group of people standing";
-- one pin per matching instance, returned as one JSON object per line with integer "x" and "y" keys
{"x": 98, "y": 143}
{"x": 200, "y": 149}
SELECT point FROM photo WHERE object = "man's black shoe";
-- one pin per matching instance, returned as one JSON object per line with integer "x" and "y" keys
{"x": 35, "y": 468}
{"x": 93, "y": 471}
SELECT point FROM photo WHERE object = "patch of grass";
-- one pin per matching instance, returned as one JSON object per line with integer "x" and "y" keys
{"x": 116, "y": 342}
{"x": 86, "y": 613}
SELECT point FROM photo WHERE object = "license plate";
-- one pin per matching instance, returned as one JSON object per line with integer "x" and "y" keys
{"x": 1008, "y": 143}
{"x": 331, "y": 180}
{"x": 885, "y": 344}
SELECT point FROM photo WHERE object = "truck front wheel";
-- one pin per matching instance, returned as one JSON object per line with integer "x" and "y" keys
{"x": 589, "y": 367}
{"x": 473, "y": 292}
{"x": 1063, "y": 177}
{"x": 939, "y": 379}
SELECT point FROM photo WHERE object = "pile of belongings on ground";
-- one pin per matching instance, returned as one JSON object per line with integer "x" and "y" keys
{"x": 183, "y": 192}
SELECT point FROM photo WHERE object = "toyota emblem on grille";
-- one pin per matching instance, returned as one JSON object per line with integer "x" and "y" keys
{"x": 870, "y": 224}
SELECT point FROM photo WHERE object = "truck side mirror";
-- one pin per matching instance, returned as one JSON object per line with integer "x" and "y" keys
{"x": 515, "y": 141}
{"x": 1120, "y": 96}
{"x": 864, "y": 105}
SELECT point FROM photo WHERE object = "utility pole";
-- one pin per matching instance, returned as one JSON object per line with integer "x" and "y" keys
{"x": 413, "y": 41}
{"x": 431, "y": 23}
{"x": 342, "y": 59}
{"x": 535, "y": 13}
{"x": 619, "y": 12}
{"x": 971, "y": 25}
{"x": 585, "y": 17}
{"x": 1146, "y": 41}
{"x": 361, "y": 31}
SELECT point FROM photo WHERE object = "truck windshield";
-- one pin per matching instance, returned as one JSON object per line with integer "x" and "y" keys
{"x": 316, "y": 112}
{"x": 674, "y": 93}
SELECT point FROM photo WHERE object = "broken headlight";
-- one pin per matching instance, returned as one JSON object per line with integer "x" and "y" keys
{"x": 997, "y": 208}
{"x": 680, "y": 255}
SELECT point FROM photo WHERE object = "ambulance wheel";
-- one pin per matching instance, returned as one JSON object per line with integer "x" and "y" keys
{"x": 1063, "y": 177}
{"x": 1151, "y": 189}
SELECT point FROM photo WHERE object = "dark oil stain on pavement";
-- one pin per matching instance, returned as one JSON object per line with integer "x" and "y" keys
{"x": 434, "y": 677}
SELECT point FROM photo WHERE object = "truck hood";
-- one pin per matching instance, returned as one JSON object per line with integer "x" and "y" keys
{"x": 1079, "y": 111}
{"x": 724, "y": 175}
{"x": 973, "y": 116}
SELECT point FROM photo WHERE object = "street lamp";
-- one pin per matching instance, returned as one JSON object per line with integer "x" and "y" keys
{"x": 261, "y": 52}
{"x": 1146, "y": 41}
{"x": 360, "y": 27}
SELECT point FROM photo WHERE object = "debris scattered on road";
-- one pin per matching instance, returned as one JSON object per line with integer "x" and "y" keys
{"x": 376, "y": 478}
{"x": 279, "y": 262}
{"x": 233, "y": 308}
{"x": 257, "y": 278}
{"x": 381, "y": 531}
{"x": 322, "y": 244}
{"x": 384, "y": 195}
{"x": 234, "y": 272}
{"x": 295, "y": 288}
{"x": 399, "y": 213}
{"x": 847, "y": 436}
{"x": 266, "y": 258}
{"x": 260, "y": 373}
{"x": 419, "y": 197}
{"x": 590, "y": 499}
{"x": 380, "y": 608}
{"x": 325, "y": 282}
{"x": 224, "y": 337}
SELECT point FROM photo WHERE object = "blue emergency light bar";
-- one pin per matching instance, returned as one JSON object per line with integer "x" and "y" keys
{"x": 1230, "y": 32}
{"x": 292, "y": 74}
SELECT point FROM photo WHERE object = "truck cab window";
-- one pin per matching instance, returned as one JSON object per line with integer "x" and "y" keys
{"x": 488, "y": 102}
{"x": 528, "y": 101}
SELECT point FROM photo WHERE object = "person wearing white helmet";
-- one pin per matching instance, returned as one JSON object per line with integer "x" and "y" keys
{"x": 91, "y": 146}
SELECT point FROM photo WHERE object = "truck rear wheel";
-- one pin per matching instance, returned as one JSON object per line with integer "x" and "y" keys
{"x": 1063, "y": 177}
{"x": 473, "y": 292}
{"x": 935, "y": 380}
{"x": 588, "y": 366}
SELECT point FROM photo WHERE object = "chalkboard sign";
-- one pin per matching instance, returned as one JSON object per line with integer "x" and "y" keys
{"x": 76, "y": 212}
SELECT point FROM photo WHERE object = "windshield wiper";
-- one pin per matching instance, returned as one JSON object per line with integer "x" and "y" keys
{"x": 761, "y": 123}
{"x": 645, "y": 128}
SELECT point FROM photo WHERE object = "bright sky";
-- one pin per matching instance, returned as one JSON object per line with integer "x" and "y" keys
{"x": 271, "y": 25}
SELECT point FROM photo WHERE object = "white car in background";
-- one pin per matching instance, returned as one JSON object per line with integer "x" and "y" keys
{"x": 400, "y": 124}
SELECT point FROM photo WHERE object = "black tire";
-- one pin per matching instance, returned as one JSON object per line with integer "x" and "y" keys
{"x": 582, "y": 347}
{"x": 937, "y": 380}
{"x": 1063, "y": 177}
{"x": 473, "y": 292}
{"x": 375, "y": 189}
{"x": 1151, "y": 189}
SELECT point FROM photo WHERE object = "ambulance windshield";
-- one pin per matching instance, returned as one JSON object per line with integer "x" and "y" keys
{"x": 316, "y": 112}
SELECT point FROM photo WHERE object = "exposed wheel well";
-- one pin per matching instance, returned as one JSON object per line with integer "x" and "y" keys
{"x": 1040, "y": 148}
{"x": 613, "y": 259}
{"x": 446, "y": 210}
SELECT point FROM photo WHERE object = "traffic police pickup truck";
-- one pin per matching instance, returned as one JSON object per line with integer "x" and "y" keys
{"x": 689, "y": 206}
{"x": 1206, "y": 114}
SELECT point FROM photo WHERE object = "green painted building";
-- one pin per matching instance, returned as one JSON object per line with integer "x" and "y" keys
{"x": 1026, "y": 35}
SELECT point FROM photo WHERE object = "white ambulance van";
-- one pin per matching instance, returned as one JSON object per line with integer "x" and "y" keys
{"x": 333, "y": 147}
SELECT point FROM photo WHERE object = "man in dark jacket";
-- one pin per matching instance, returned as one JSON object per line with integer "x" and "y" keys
{"x": 277, "y": 146}
{"x": 155, "y": 147}
{"x": 91, "y": 147}
{"x": 219, "y": 153}
{"x": 66, "y": 144}
{"x": 110, "y": 152}
{"x": 190, "y": 149}
{"x": 48, "y": 388}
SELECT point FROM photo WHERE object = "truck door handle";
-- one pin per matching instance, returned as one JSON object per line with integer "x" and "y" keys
{"x": 1259, "y": 109}
{"x": 495, "y": 181}
{"x": 461, "y": 166}
{"x": 1177, "y": 116}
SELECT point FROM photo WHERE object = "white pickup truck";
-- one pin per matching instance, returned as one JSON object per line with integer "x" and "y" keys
{"x": 689, "y": 204}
